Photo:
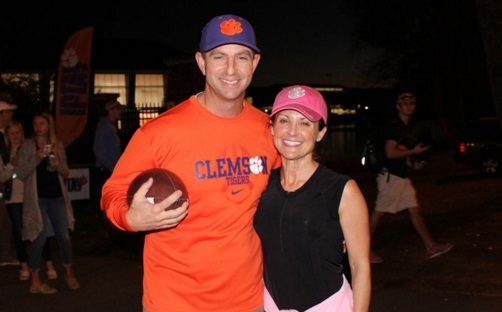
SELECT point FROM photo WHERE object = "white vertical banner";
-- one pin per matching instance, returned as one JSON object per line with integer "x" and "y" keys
{"x": 77, "y": 184}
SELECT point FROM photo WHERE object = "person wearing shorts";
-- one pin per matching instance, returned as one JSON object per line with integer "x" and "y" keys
{"x": 395, "y": 189}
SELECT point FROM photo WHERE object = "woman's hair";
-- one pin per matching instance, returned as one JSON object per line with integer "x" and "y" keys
{"x": 52, "y": 128}
{"x": 10, "y": 125}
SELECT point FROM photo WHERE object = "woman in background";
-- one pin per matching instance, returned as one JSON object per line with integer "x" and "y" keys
{"x": 47, "y": 207}
{"x": 14, "y": 132}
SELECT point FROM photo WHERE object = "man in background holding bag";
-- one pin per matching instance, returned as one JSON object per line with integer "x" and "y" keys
{"x": 106, "y": 147}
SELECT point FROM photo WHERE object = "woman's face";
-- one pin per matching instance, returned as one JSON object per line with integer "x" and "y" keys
{"x": 294, "y": 135}
{"x": 40, "y": 126}
{"x": 15, "y": 134}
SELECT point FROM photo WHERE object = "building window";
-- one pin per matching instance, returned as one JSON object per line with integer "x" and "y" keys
{"x": 149, "y": 91}
{"x": 111, "y": 83}
{"x": 149, "y": 96}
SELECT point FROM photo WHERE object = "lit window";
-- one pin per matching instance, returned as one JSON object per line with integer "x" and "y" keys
{"x": 149, "y": 90}
{"x": 111, "y": 83}
{"x": 146, "y": 114}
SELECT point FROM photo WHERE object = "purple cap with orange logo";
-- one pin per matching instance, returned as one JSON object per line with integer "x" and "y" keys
{"x": 227, "y": 29}
{"x": 306, "y": 100}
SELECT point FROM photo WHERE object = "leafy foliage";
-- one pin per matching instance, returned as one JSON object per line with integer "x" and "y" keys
{"x": 24, "y": 91}
{"x": 434, "y": 46}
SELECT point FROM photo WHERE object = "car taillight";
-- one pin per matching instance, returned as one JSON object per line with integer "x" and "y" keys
{"x": 461, "y": 147}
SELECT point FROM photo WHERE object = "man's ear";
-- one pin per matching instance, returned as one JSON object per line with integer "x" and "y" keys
{"x": 201, "y": 62}
{"x": 256, "y": 60}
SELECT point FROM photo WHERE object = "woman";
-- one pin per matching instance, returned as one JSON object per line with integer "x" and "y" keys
{"x": 47, "y": 207}
{"x": 308, "y": 215}
{"x": 15, "y": 136}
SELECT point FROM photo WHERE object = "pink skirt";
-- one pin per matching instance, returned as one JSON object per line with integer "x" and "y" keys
{"x": 341, "y": 301}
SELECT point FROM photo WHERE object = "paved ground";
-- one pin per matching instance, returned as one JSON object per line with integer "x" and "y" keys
{"x": 459, "y": 206}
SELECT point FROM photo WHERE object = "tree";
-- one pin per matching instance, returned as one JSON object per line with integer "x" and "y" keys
{"x": 489, "y": 14}
{"x": 432, "y": 45}
{"x": 24, "y": 91}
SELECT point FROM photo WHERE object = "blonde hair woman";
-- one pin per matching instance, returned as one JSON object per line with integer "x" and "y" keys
{"x": 47, "y": 208}
{"x": 14, "y": 133}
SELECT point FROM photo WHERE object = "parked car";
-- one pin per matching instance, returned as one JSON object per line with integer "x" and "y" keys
{"x": 480, "y": 145}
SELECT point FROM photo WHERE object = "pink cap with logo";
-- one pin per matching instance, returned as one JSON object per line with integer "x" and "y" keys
{"x": 303, "y": 99}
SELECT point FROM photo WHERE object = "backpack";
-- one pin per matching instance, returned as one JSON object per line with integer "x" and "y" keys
{"x": 373, "y": 155}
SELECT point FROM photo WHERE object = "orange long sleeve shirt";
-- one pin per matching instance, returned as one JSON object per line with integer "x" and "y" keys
{"x": 212, "y": 260}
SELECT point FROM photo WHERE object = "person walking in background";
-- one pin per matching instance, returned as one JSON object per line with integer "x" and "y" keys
{"x": 208, "y": 259}
{"x": 7, "y": 251}
{"x": 14, "y": 133}
{"x": 106, "y": 147}
{"x": 47, "y": 207}
{"x": 308, "y": 215}
{"x": 395, "y": 189}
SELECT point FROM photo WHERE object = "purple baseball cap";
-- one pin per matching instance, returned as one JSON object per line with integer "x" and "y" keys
{"x": 227, "y": 29}
{"x": 303, "y": 99}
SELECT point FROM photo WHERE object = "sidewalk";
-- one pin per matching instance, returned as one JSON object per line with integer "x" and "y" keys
{"x": 110, "y": 282}
{"x": 458, "y": 206}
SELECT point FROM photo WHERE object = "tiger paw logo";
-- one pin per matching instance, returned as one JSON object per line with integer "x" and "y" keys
{"x": 255, "y": 165}
{"x": 230, "y": 27}
{"x": 296, "y": 93}
{"x": 69, "y": 58}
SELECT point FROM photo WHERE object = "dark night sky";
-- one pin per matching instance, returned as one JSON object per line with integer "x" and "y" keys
{"x": 301, "y": 41}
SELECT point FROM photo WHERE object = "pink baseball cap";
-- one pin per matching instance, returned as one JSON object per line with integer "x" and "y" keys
{"x": 227, "y": 29}
{"x": 303, "y": 99}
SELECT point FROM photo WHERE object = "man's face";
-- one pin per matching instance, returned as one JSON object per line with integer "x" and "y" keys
{"x": 406, "y": 103}
{"x": 228, "y": 69}
{"x": 115, "y": 112}
{"x": 7, "y": 115}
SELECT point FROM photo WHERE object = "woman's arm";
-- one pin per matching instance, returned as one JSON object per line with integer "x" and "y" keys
{"x": 62, "y": 165}
{"x": 6, "y": 171}
{"x": 27, "y": 159}
{"x": 354, "y": 220}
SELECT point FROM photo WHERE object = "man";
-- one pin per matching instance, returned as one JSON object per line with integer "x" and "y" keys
{"x": 208, "y": 257}
{"x": 395, "y": 189}
{"x": 6, "y": 249}
{"x": 106, "y": 147}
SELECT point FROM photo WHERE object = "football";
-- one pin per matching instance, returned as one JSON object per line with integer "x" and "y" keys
{"x": 164, "y": 184}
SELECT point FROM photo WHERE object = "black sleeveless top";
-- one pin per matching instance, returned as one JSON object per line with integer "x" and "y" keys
{"x": 302, "y": 239}
{"x": 47, "y": 181}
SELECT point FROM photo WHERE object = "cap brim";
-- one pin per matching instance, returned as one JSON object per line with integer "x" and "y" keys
{"x": 215, "y": 45}
{"x": 8, "y": 107}
{"x": 305, "y": 111}
{"x": 111, "y": 107}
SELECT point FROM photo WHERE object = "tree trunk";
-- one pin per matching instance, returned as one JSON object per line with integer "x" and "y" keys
{"x": 489, "y": 13}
